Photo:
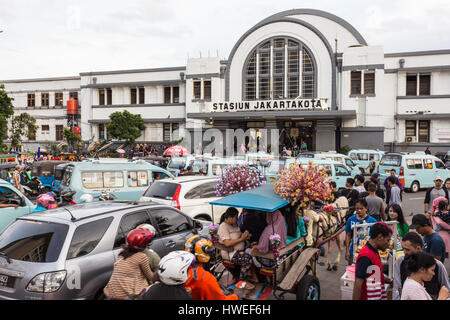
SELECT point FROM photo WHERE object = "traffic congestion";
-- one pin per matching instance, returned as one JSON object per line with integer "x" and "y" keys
{"x": 171, "y": 225}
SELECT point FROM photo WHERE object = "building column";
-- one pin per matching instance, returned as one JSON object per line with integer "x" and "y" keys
{"x": 325, "y": 139}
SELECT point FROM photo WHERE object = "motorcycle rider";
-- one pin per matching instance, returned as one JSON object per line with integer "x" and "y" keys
{"x": 16, "y": 178}
{"x": 173, "y": 273}
{"x": 67, "y": 198}
{"x": 203, "y": 284}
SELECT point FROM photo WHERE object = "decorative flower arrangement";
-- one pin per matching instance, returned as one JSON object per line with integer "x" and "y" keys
{"x": 237, "y": 178}
{"x": 303, "y": 183}
{"x": 328, "y": 208}
{"x": 213, "y": 229}
{"x": 275, "y": 241}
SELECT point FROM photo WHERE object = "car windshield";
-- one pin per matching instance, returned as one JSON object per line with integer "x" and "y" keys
{"x": 177, "y": 163}
{"x": 33, "y": 241}
{"x": 161, "y": 190}
{"x": 391, "y": 160}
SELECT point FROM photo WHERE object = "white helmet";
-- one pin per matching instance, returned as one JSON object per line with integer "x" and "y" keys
{"x": 148, "y": 227}
{"x": 86, "y": 198}
{"x": 173, "y": 268}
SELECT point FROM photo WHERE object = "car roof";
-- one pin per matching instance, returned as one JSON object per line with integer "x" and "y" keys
{"x": 186, "y": 179}
{"x": 85, "y": 210}
{"x": 98, "y": 164}
{"x": 366, "y": 150}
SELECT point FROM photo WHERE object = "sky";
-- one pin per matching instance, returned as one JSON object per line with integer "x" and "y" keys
{"x": 55, "y": 38}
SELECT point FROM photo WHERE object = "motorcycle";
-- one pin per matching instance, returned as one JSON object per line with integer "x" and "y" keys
{"x": 33, "y": 188}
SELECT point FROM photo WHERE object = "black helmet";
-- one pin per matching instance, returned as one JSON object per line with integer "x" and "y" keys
{"x": 105, "y": 196}
{"x": 67, "y": 195}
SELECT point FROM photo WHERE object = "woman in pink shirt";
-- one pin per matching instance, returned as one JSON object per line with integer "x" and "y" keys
{"x": 420, "y": 267}
{"x": 440, "y": 219}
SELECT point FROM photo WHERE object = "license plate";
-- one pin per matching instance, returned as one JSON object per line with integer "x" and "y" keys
{"x": 7, "y": 281}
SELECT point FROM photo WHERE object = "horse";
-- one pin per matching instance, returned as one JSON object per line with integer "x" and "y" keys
{"x": 325, "y": 226}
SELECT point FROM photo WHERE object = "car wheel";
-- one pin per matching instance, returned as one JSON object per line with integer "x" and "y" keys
{"x": 308, "y": 288}
{"x": 415, "y": 187}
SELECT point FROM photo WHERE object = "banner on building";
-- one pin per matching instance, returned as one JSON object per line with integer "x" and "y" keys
{"x": 268, "y": 105}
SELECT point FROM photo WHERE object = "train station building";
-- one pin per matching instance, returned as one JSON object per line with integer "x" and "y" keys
{"x": 307, "y": 73}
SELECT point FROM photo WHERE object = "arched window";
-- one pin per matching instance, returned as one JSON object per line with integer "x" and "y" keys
{"x": 279, "y": 68}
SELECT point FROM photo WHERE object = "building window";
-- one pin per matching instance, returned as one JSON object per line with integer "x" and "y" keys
{"x": 176, "y": 94}
{"x": 279, "y": 68}
{"x": 424, "y": 81}
{"x": 411, "y": 85}
{"x": 167, "y": 94}
{"x": 45, "y": 128}
{"x": 369, "y": 82}
{"x": 207, "y": 89}
{"x": 58, "y": 98}
{"x": 166, "y": 134}
{"x": 101, "y": 97}
{"x": 424, "y": 131}
{"x": 141, "y": 95}
{"x": 44, "y": 99}
{"x": 133, "y": 97}
{"x": 108, "y": 96}
{"x": 197, "y": 89}
{"x": 410, "y": 126}
{"x": 31, "y": 100}
{"x": 424, "y": 84}
{"x": 59, "y": 132}
{"x": 73, "y": 95}
{"x": 355, "y": 82}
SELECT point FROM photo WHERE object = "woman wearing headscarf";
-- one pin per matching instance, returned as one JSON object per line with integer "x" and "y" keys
{"x": 275, "y": 225}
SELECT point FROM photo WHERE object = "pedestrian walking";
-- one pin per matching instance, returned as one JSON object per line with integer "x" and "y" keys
{"x": 359, "y": 183}
{"x": 397, "y": 182}
{"x": 420, "y": 267}
{"x": 360, "y": 217}
{"x": 393, "y": 194}
{"x": 427, "y": 150}
{"x": 412, "y": 243}
{"x": 437, "y": 191}
{"x": 369, "y": 277}
{"x": 16, "y": 178}
{"x": 350, "y": 193}
{"x": 375, "y": 204}
{"x": 375, "y": 178}
{"x": 441, "y": 223}
{"x": 396, "y": 214}
{"x": 433, "y": 243}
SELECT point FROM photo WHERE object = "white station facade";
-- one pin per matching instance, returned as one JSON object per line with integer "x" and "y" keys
{"x": 306, "y": 72}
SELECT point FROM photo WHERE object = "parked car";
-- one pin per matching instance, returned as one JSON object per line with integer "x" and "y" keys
{"x": 126, "y": 180}
{"x": 337, "y": 172}
{"x": 45, "y": 171}
{"x": 362, "y": 158}
{"x": 342, "y": 158}
{"x": 414, "y": 170}
{"x": 59, "y": 173}
{"x": 70, "y": 254}
{"x": 10, "y": 195}
{"x": 190, "y": 194}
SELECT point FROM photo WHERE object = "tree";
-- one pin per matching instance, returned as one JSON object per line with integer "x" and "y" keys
{"x": 72, "y": 139}
{"x": 6, "y": 111}
{"x": 125, "y": 126}
{"x": 23, "y": 125}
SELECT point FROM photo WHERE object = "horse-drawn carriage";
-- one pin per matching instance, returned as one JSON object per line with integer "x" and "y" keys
{"x": 293, "y": 269}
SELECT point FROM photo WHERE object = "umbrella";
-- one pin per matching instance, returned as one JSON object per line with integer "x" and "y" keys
{"x": 120, "y": 151}
{"x": 176, "y": 150}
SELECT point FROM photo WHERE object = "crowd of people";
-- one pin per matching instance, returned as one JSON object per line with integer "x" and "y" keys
{"x": 420, "y": 273}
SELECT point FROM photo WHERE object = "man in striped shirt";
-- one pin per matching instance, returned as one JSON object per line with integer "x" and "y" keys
{"x": 369, "y": 277}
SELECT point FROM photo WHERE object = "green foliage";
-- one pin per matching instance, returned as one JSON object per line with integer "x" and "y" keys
{"x": 70, "y": 137}
{"x": 52, "y": 148}
{"x": 345, "y": 149}
{"x": 23, "y": 125}
{"x": 125, "y": 126}
{"x": 6, "y": 111}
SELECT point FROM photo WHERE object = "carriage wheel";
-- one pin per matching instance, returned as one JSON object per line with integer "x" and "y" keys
{"x": 308, "y": 288}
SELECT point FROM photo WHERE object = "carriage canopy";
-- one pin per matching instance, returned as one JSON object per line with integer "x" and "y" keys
{"x": 261, "y": 198}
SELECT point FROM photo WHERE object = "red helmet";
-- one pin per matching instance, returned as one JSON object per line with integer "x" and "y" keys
{"x": 139, "y": 238}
